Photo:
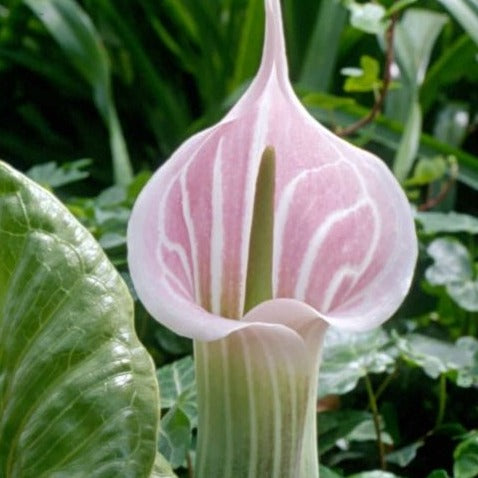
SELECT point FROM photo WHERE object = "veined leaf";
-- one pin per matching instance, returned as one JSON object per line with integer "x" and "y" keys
{"x": 175, "y": 436}
{"x": 53, "y": 176}
{"x": 458, "y": 361}
{"x": 347, "y": 357}
{"x": 178, "y": 387}
{"x": 78, "y": 396}
{"x": 453, "y": 268}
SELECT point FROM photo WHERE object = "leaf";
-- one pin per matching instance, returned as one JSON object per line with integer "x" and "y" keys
{"x": 409, "y": 144}
{"x": 466, "y": 458}
{"x": 248, "y": 56}
{"x": 347, "y": 357}
{"x": 335, "y": 425}
{"x": 458, "y": 361}
{"x": 368, "y": 17}
{"x": 427, "y": 170}
{"x": 321, "y": 55}
{"x": 51, "y": 175}
{"x": 368, "y": 80}
{"x": 78, "y": 394}
{"x": 456, "y": 62}
{"x": 374, "y": 474}
{"x": 438, "y": 474}
{"x": 175, "y": 436}
{"x": 465, "y": 294}
{"x": 365, "y": 431}
{"x": 172, "y": 343}
{"x": 178, "y": 387}
{"x": 452, "y": 222}
{"x": 452, "y": 262}
{"x": 325, "y": 472}
{"x": 453, "y": 268}
{"x": 162, "y": 469}
{"x": 415, "y": 36}
{"x": 404, "y": 456}
{"x": 466, "y": 14}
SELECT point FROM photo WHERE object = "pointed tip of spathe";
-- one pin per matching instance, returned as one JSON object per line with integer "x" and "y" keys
{"x": 274, "y": 52}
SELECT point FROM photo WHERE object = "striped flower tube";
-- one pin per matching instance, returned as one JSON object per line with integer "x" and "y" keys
{"x": 255, "y": 236}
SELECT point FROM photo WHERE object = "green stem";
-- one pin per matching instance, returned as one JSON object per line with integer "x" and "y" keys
{"x": 257, "y": 415}
{"x": 376, "y": 421}
{"x": 386, "y": 382}
{"x": 442, "y": 398}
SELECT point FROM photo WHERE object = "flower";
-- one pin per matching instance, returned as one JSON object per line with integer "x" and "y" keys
{"x": 337, "y": 246}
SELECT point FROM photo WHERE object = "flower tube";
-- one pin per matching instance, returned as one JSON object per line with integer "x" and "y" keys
{"x": 253, "y": 237}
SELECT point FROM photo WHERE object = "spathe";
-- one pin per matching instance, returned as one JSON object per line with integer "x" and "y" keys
{"x": 343, "y": 253}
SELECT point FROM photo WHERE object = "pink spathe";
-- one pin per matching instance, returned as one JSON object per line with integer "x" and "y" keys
{"x": 344, "y": 239}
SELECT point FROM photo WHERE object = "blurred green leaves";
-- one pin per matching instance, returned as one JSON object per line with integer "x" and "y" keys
{"x": 74, "y": 32}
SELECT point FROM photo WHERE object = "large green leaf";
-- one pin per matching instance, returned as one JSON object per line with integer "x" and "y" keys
{"x": 78, "y": 395}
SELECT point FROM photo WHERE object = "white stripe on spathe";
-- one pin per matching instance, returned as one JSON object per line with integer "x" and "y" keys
{"x": 217, "y": 232}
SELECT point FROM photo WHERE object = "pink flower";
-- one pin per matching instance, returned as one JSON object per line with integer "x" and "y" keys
{"x": 343, "y": 244}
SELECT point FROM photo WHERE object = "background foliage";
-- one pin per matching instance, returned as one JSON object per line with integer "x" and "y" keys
{"x": 97, "y": 93}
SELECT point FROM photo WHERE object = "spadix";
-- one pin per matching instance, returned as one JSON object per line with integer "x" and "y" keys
{"x": 334, "y": 242}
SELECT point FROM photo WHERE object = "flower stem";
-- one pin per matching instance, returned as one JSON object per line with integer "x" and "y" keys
{"x": 376, "y": 421}
{"x": 442, "y": 396}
